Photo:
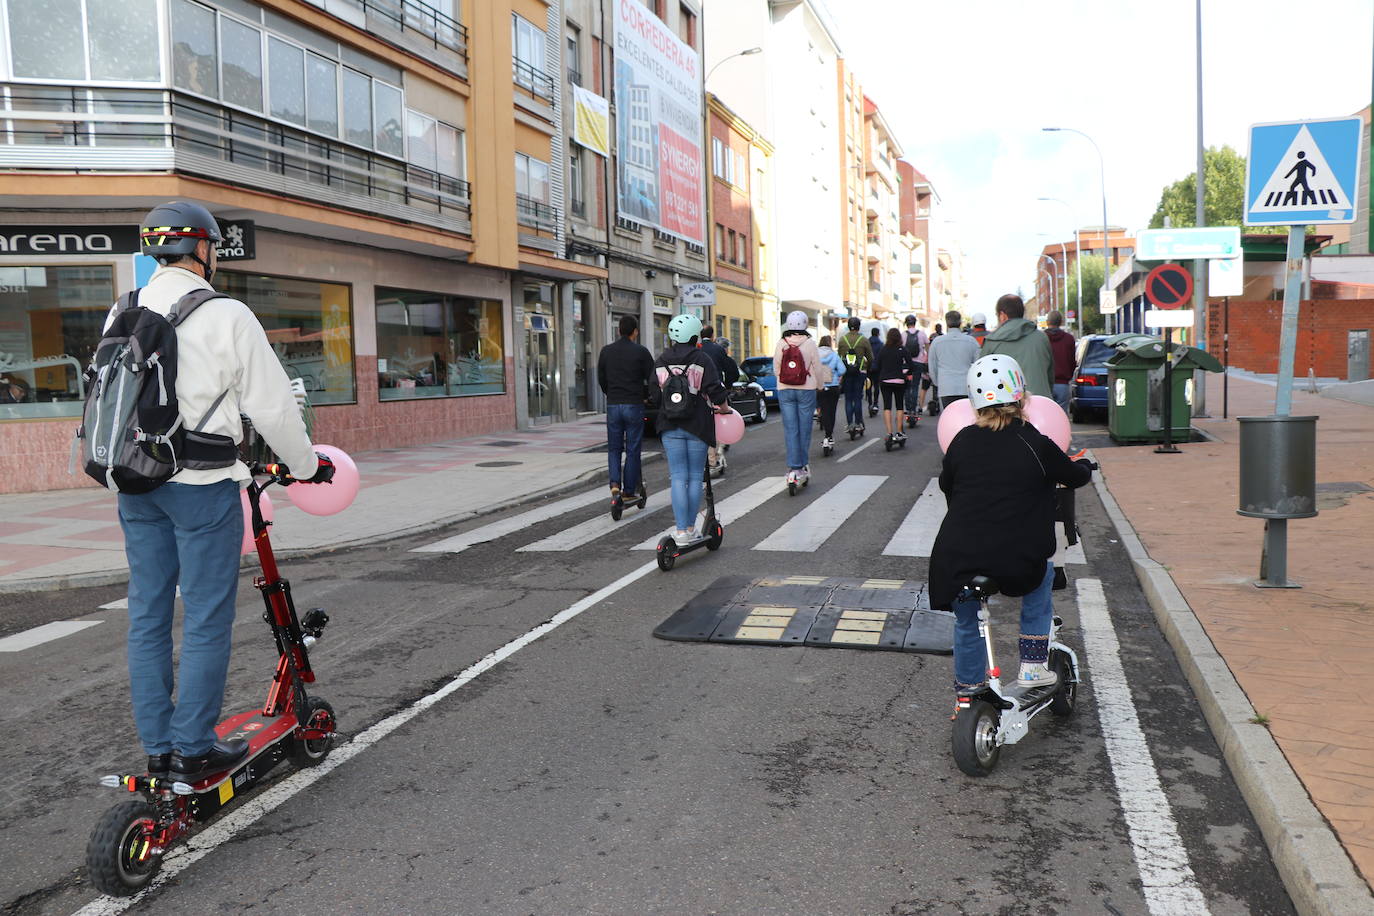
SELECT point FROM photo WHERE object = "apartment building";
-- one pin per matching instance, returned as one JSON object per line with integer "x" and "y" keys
{"x": 887, "y": 257}
{"x": 917, "y": 198}
{"x": 1057, "y": 260}
{"x": 853, "y": 193}
{"x": 415, "y": 280}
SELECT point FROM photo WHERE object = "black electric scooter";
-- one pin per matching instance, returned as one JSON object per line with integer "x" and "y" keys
{"x": 126, "y": 847}
{"x": 619, "y": 501}
{"x": 712, "y": 533}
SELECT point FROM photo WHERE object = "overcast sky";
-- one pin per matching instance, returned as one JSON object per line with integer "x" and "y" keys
{"x": 967, "y": 85}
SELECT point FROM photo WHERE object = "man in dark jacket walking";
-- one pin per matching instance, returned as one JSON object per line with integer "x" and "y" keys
{"x": 625, "y": 370}
{"x": 856, "y": 353}
{"x": 1062, "y": 345}
{"x": 875, "y": 343}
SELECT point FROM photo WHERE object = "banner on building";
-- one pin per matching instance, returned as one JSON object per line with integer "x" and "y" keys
{"x": 658, "y": 125}
{"x": 591, "y": 121}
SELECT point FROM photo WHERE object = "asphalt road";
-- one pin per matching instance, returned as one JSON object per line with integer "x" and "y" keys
{"x": 599, "y": 770}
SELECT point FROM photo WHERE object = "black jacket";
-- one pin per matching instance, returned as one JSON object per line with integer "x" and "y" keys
{"x": 722, "y": 361}
{"x": 625, "y": 371}
{"x": 1000, "y": 522}
{"x": 892, "y": 362}
{"x": 702, "y": 423}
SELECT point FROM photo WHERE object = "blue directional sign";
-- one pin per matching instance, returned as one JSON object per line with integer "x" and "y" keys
{"x": 1187, "y": 244}
{"x": 1303, "y": 173}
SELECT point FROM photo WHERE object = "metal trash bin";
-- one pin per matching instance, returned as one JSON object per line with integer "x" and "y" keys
{"x": 1278, "y": 467}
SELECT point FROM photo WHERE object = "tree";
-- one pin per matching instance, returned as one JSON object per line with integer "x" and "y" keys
{"x": 1094, "y": 271}
{"x": 1224, "y": 192}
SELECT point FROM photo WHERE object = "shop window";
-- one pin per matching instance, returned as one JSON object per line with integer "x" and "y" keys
{"x": 85, "y": 39}
{"x": 241, "y": 54}
{"x": 735, "y": 337}
{"x": 50, "y": 323}
{"x": 748, "y": 339}
{"x": 195, "y": 52}
{"x": 431, "y": 345}
{"x": 309, "y": 325}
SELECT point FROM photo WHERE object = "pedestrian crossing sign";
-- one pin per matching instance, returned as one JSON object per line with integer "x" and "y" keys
{"x": 1303, "y": 172}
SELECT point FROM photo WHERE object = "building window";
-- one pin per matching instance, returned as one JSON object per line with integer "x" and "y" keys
{"x": 739, "y": 175}
{"x": 527, "y": 42}
{"x": 241, "y": 61}
{"x": 574, "y": 54}
{"x": 687, "y": 26}
{"x": 309, "y": 324}
{"x": 387, "y": 106}
{"x": 321, "y": 95}
{"x": 576, "y": 180}
{"x": 718, "y": 160}
{"x": 286, "y": 81}
{"x": 357, "y": 108}
{"x": 720, "y": 242}
{"x": 732, "y": 251}
{"x": 195, "y": 49}
{"x": 748, "y": 338}
{"x": 50, "y": 322}
{"x": 432, "y": 345}
{"x": 742, "y": 251}
{"x": 111, "y": 40}
{"x": 532, "y": 178}
{"x": 734, "y": 333}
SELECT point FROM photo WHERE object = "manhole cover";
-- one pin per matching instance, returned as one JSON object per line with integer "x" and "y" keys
{"x": 504, "y": 443}
{"x": 498, "y": 464}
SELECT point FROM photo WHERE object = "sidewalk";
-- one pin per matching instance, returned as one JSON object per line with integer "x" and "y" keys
{"x": 72, "y": 537}
{"x": 1278, "y": 672}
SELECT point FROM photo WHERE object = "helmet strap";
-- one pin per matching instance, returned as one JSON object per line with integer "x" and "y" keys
{"x": 205, "y": 265}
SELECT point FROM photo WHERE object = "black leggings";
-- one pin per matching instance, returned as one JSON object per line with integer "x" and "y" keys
{"x": 893, "y": 392}
{"x": 828, "y": 398}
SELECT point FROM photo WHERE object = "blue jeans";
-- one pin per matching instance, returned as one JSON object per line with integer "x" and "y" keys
{"x": 913, "y": 387}
{"x": 798, "y": 406}
{"x": 188, "y": 534}
{"x": 1061, "y": 394}
{"x": 853, "y": 384}
{"x": 624, "y": 434}
{"x": 686, "y": 456}
{"x": 970, "y": 655}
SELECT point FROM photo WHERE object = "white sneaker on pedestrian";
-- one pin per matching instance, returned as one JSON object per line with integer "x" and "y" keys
{"x": 827, "y": 442}
{"x": 682, "y": 535}
{"x": 1036, "y": 674}
{"x": 792, "y": 476}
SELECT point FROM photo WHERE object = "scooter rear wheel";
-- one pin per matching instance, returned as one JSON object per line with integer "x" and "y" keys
{"x": 112, "y": 853}
{"x": 887, "y": 444}
{"x": 309, "y": 752}
{"x": 1066, "y": 695}
{"x": 716, "y": 534}
{"x": 666, "y": 553}
{"x": 974, "y": 740}
{"x": 616, "y": 509}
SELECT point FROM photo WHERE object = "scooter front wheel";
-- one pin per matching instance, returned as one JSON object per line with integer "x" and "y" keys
{"x": 118, "y": 857}
{"x": 974, "y": 741}
{"x": 643, "y": 495}
{"x": 309, "y": 752}
{"x": 666, "y": 553}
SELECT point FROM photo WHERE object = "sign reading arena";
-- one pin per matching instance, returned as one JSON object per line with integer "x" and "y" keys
{"x": 658, "y": 125}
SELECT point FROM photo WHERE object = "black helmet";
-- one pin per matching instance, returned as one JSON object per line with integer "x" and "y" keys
{"x": 173, "y": 229}
{"x": 853, "y": 324}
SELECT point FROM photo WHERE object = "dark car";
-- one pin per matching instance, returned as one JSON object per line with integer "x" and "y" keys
{"x": 746, "y": 397}
{"x": 759, "y": 370}
{"x": 1088, "y": 391}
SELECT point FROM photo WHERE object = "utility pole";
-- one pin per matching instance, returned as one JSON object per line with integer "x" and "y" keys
{"x": 1200, "y": 266}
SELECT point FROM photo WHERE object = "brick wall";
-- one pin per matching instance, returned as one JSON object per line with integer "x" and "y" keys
{"x": 1322, "y": 327}
{"x": 34, "y": 455}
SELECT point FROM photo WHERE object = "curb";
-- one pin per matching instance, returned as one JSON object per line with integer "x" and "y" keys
{"x": 119, "y": 577}
{"x": 1314, "y": 866}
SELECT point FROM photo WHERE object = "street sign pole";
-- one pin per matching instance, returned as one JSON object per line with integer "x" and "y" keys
{"x": 1168, "y": 448}
{"x": 1288, "y": 328}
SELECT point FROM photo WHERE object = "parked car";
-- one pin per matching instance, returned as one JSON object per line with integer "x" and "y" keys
{"x": 759, "y": 370}
{"x": 1088, "y": 391}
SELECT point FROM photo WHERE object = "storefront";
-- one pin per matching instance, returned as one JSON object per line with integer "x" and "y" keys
{"x": 394, "y": 348}
{"x": 736, "y": 316}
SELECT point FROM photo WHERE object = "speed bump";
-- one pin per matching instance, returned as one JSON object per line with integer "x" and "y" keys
{"x": 887, "y": 614}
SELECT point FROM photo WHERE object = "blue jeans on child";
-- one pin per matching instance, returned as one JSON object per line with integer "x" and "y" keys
{"x": 798, "y": 406}
{"x": 970, "y": 655}
{"x": 187, "y": 534}
{"x": 686, "y": 456}
{"x": 624, "y": 434}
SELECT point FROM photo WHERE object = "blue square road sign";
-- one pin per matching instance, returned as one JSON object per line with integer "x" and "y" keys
{"x": 1303, "y": 172}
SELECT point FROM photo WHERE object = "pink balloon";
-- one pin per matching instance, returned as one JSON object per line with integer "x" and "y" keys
{"x": 953, "y": 418}
{"x": 268, "y": 513}
{"x": 1048, "y": 417}
{"x": 328, "y": 498}
{"x": 729, "y": 427}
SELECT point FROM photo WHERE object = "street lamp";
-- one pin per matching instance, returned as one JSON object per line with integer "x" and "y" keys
{"x": 1063, "y": 272}
{"x": 1049, "y": 281}
{"x": 745, "y": 53}
{"x": 1077, "y": 260}
{"x": 1102, "y": 175}
{"x": 1054, "y": 295}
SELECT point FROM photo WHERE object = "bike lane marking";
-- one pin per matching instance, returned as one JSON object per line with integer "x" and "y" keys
{"x": 856, "y": 451}
{"x": 46, "y": 633}
{"x": 1166, "y": 877}
{"x": 258, "y": 806}
{"x": 520, "y": 522}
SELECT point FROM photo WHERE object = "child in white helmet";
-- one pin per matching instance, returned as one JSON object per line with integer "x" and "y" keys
{"x": 797, "y": 365}
{"x": 999, "y": 477}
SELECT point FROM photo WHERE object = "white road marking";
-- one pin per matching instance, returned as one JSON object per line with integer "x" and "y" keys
{"x": 46, "y": 633}
{"x": 850, "y": 454}
{"x": 1075, "y": 554}
{"x": 123, "y": 603}
{"x": 809, "y": 528}
{"x": 490, "y": 532}
{"x": 736, "y": 507}
{"x": 257, "y": 807}
{"x": 915, "y": 537}
{"x": 1166, "y": 876}
{"x": 594, "y": 528}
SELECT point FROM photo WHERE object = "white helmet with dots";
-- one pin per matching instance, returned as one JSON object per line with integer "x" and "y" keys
{"x": 995, "y": 379}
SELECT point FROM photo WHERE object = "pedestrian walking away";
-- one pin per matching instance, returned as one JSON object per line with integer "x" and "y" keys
{"x": 894, "y": 371}
{"x": 187, "y": 532}
{"x": 978, "y": 329}
{"x": 998, "y": 478}
{"x": 950, "y": 356}
{"x": 930, "y": 392}
{"x": 856, "y": 353}
{"x": 1018, "y": 337}
{"x": 797, "y": 365}
{"x": 875, "y": 342}
{"x": 625, "y": 372}
{"x": 729, "y": 374}
{"x": 690, "y": 392}
{"x": 915, "y": 342}
{"x": 833, "y": 369}
{"x": 1062, "y": 346}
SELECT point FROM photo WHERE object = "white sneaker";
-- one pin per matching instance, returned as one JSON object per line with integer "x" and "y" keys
{"x": 804, "y": 474}
{"x": 792, "y": 476}
{"x": 827, "y": 443}
{"x": 1036, "y": 675}
{"x": 689, "y": 536}
{"x": 681, "y": 536}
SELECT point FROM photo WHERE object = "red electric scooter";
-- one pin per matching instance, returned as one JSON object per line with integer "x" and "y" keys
{"x": 128, "y": 842}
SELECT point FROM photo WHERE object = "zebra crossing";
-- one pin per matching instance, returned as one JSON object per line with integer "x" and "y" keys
{"x": 807, "y": 531}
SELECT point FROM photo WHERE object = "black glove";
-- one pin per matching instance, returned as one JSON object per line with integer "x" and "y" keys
{"x": 1090, "y": 465}
{"x": 324, "y": 472}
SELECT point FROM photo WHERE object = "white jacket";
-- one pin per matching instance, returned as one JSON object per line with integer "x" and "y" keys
{"x": 222, "y": 347}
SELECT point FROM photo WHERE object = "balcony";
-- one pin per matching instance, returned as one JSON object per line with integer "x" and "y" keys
{"x": 540, "y": 217}
{"x": 874, "y": 251}
{"x": 536, "y": 82}
{"x": 157, "y": 130}
{"x": 574, "y": 76}
{"x": 414, "y": 25}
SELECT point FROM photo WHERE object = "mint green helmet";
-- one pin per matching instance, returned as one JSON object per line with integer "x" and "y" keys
{"x": 683, "y": 328}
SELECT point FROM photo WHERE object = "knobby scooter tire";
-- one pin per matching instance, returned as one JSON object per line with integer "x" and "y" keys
{"x": 309, "y": 752}
{"x": 113, "y": 850}
{"x": 1066, "y": 694}
{"x": 667, "y": 547}
{"x": 974, "y": 740}
{"x": 716, "y": 535}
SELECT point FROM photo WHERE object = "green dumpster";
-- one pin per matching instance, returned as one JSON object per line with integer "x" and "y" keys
{"x": 1135, "y": 393}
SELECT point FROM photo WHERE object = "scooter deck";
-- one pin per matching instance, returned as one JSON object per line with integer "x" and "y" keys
{"x": 266, "y": 739}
